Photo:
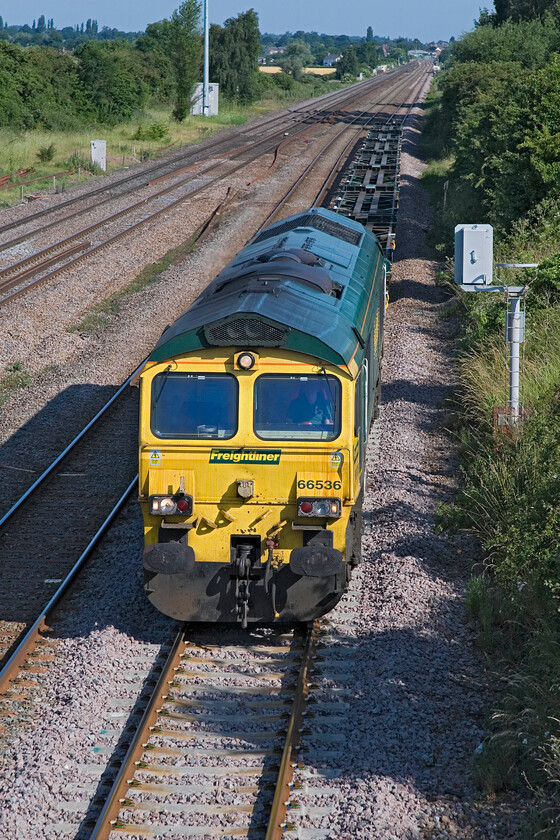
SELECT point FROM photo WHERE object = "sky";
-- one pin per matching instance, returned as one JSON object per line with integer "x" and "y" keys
{"x": 424, "y": 19}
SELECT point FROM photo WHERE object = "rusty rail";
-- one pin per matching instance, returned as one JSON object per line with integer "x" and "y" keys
{"x": 277, "y": 819}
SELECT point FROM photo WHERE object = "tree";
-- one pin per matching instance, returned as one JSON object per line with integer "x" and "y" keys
{"x": 234, "y": 50}
{"x": 366, "y": 53}
{"x": 369, "y": 35}
{"x": 41, "y": 24}
{"x": 185, "y": 45}
{"x": 111, "y": 73}
{"x": 296, "y": 57}
{"x": 529, "y": 42}
{"x": 154, "y": 49}
{"x": 348, "y": 64}
{"x": 518, "y": 10}
{"x": 485, "y": 18}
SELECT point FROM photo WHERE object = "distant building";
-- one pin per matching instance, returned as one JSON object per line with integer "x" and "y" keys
{"x": 419, "y": 54}
{"x": 331, "y": 59}
{"x": 383, "y": 49}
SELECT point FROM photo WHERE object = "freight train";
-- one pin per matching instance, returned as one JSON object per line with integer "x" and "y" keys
{"x": 255, "y": 407}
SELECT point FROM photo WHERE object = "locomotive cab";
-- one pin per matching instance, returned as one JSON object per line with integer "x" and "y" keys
{"x": 254, "y": 413}
{"x": 247, "y": 487}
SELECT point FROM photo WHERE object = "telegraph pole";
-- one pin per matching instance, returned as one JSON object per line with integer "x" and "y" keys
{"x": 206, "y": 79}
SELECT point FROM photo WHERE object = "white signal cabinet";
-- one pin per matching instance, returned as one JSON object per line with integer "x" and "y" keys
{"x": 99, "y": 153}
{"x": 474, "y": 255}
{"x": 213, "y": 97}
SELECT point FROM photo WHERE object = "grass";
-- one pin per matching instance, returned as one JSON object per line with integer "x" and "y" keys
{"x": 484, "y": 371}
{"x": 15, "y": 377}
{"x": 479, "y": 607}
{"x": 22, "y": 150}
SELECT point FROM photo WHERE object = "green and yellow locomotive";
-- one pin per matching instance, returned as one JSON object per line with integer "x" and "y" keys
{"x": 255, "y": 407}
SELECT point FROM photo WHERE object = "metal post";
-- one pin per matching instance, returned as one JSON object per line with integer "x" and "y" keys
{"x": 206, "y": 79}
{"x": 515, "y": 334}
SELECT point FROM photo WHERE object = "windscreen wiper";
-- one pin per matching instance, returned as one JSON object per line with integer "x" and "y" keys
{"x": 165, "y": 375}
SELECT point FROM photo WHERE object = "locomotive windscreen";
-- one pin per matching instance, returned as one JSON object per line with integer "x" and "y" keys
{"x": 297, "y": 407}
{"x": 186, "y": 405}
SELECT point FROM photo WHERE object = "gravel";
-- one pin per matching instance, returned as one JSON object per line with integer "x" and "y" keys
{"x": 413, "y": 681}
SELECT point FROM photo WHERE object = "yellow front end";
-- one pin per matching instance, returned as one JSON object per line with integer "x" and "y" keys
{"x": 229, "y": 554}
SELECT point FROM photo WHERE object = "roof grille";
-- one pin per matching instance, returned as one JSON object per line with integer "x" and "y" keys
{"x": 249, "y": 331}
{"x": 314, "y": 221}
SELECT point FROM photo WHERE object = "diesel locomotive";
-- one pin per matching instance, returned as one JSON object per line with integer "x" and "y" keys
{"x": 255, "y": 407}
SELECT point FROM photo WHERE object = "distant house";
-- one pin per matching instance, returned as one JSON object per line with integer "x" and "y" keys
{"x": 331, "y": 59}
{"x": 275, "y": 50}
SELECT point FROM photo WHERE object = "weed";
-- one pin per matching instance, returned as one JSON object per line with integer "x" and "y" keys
{"x": 46, "y": 153}
{"x": 496, "y": 767}
{"x": 16, "y": 377}
{"x": 479, "y": 605}
{"x": 152, "y": 131}
{"x": 510, "y": 495}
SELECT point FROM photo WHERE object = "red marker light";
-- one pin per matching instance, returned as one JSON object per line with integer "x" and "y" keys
{"x": 306, "y": 507}
{"x": 183, "y": 505}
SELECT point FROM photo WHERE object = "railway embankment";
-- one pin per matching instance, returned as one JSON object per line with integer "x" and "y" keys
{"x": 509, "y": 495}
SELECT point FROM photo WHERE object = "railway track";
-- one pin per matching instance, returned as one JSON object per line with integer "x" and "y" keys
{"x": 214, "y": 753}
{"x": 62, "y": 253}
{"x": 325, "y": 107}
{"x": 106, "y": 461}
{"x": 206, "y": 744}
{"x": 302, "y": 118}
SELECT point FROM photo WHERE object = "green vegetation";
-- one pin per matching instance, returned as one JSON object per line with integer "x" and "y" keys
{"x": 369, "y": 51}
{"x": 44, "y": 34}
{"x": 14, "y": 378}
{"x": 234, "y": 50}
{"x": 492, "y": 135}
{"x": 61, "y": 89}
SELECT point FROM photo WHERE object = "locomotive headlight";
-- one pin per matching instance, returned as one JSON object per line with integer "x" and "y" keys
{"x": 246, "y": 361}
{"x": 162, "y": 505}
{"x": 323, "y": 508}
{"x": 180, "y": 504}
{"x": 167, "y": 506}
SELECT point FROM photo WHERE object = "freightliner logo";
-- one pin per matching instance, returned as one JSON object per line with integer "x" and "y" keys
{"x": 246, "y": 456}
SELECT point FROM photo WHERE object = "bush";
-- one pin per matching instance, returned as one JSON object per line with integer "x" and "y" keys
{"x": 76, "y": 160}
{"x": 544, "y": 291}
{"x": 46, "y": 153}
{"x": 151, "y": 131}
{"x": 284, "y": 81}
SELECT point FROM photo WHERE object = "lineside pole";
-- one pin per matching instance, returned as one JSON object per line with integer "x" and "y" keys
{"x": 514, "y": 335}
{"x": 206, "y": 79}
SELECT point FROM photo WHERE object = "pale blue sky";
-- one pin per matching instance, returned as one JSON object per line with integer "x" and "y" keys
{"x": 424, "y": 19}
